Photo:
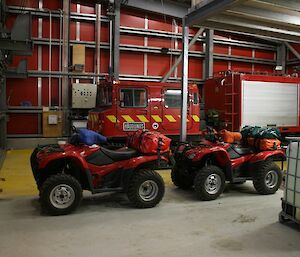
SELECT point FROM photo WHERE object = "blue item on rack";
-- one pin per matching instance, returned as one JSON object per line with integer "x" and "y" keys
{"x": 90, "y": 137}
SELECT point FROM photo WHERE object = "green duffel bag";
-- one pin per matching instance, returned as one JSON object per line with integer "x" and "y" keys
{"x": 246, "y": 131}
{"x": 255, "y": 132}
{"x": 270, "y": 133}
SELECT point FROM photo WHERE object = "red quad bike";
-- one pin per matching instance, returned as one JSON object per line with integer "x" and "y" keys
{"x": 62, "y": 172}
{"x": 208, "y": 165}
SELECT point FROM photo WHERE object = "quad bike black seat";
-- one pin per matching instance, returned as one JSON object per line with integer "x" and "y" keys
{"x": 121, "y": 154}
{"x": 235, "y": 151}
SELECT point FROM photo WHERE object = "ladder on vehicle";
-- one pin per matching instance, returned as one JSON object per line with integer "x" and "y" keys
{"x": 230, "y": 112}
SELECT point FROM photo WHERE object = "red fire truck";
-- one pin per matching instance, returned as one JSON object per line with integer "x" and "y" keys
{"x": 128, "y": 106}
{"x": 256, "y": 100}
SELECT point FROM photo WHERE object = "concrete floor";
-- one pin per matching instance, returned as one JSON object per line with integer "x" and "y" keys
{"x": 239, "y": 223}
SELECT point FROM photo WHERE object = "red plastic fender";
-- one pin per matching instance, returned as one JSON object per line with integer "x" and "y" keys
{"x": 262, "y": 156}
{"x": 219, "y": 153}
{"x": 135, "y": 162}
{"x": 69, "y": 154}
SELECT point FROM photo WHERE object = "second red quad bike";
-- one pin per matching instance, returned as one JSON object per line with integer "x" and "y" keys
{"x": 207, "y": 167}
{"x": 62, "y": 172}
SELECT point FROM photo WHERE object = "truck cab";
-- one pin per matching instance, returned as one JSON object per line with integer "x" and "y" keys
{"x": 125, "y": 107}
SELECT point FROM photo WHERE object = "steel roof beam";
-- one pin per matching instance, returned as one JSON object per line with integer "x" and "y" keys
{"x": 251, "y": 31}
{"x": 293, "y": 5}
{"x": 204, "y": 12}
{"x": 162, "y": 7}
{"x": 256, "y": 24}
{"x": 269, "y": 15}
{"x": 251, "y": 27}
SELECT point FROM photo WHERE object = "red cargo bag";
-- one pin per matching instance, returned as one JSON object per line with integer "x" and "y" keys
{"x": 147, "y": 142}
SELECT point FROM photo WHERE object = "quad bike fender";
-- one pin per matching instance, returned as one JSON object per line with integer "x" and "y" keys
{"x": 262, "y": 156}
{"x": 217, "y": 154}
{"x": 74, "y": 156}
{"x": 146, "y": 160}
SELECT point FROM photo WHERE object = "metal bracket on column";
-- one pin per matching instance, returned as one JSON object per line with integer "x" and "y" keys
{"x": 19, "y": 38}
{"x": 192, "y": 42}
{"x": 281, "y": 57}
{"x": 184, "y": 88}
{"x": 19, "y": 72}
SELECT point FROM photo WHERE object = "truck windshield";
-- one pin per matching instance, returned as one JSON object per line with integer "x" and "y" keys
{"x": 173, "y": 98}
{"x": 132, "y": 97}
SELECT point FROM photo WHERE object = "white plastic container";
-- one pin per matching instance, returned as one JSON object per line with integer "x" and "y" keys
{"x": 292, "y": 182}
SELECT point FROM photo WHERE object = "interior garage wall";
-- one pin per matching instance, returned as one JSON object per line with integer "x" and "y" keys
{"x": 293, "y": 63}
{"x": 149, "y": 46}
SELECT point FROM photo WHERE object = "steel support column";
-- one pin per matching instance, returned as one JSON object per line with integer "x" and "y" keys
{"x": 65, "y": 64}
{"x": 281, "y": 57}
{"x": 98, "y": 40}
{"x": 184, "y": 88}
{"x": 116, "y": 37}
{"x": 209, "y": 53}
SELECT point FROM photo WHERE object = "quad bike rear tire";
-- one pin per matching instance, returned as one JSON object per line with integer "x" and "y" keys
{"x": 146, "y": 188}
{"x": 209, "y": 183}
{"x": 179, "y": 179}
{"x": 60, "y": 194}
{"x": 267, "y": 178}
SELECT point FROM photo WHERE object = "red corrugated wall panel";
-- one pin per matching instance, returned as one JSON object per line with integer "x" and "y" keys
{"x": 131, "y": 63}
{"x": 220, "y": 66}
{"x": 131, "y": 19}
{"x": 241, "y": 66}
{"x": 18, "y": 90}
{"x": 241, "y": 51}
{"x": 22, "y": 123}
{"x": 131, "y": 40}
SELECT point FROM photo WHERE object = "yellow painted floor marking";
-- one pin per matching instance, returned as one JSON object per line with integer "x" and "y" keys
{"x": 127, "y": 118}
{"x": 166, "y": 175}
{"x": 170, "y": 118}
{"x": 142, "y": 118}
{"x": 17, "y": 173}
{"x": 156, "y": 118}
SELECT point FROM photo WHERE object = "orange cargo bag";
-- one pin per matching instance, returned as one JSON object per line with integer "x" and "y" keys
{"x": 250, "y": 141}
{"x": 230, "y": 137}
{"x": 269, "y": 144}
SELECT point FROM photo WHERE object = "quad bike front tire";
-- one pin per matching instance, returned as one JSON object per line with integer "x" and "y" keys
{"x": 60, "y": 194}
{"x": 146, "y": 188}
{"x": 179, "y": 179}
{"x": 209, "y": 183}
{"x": 267, "y": 178}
